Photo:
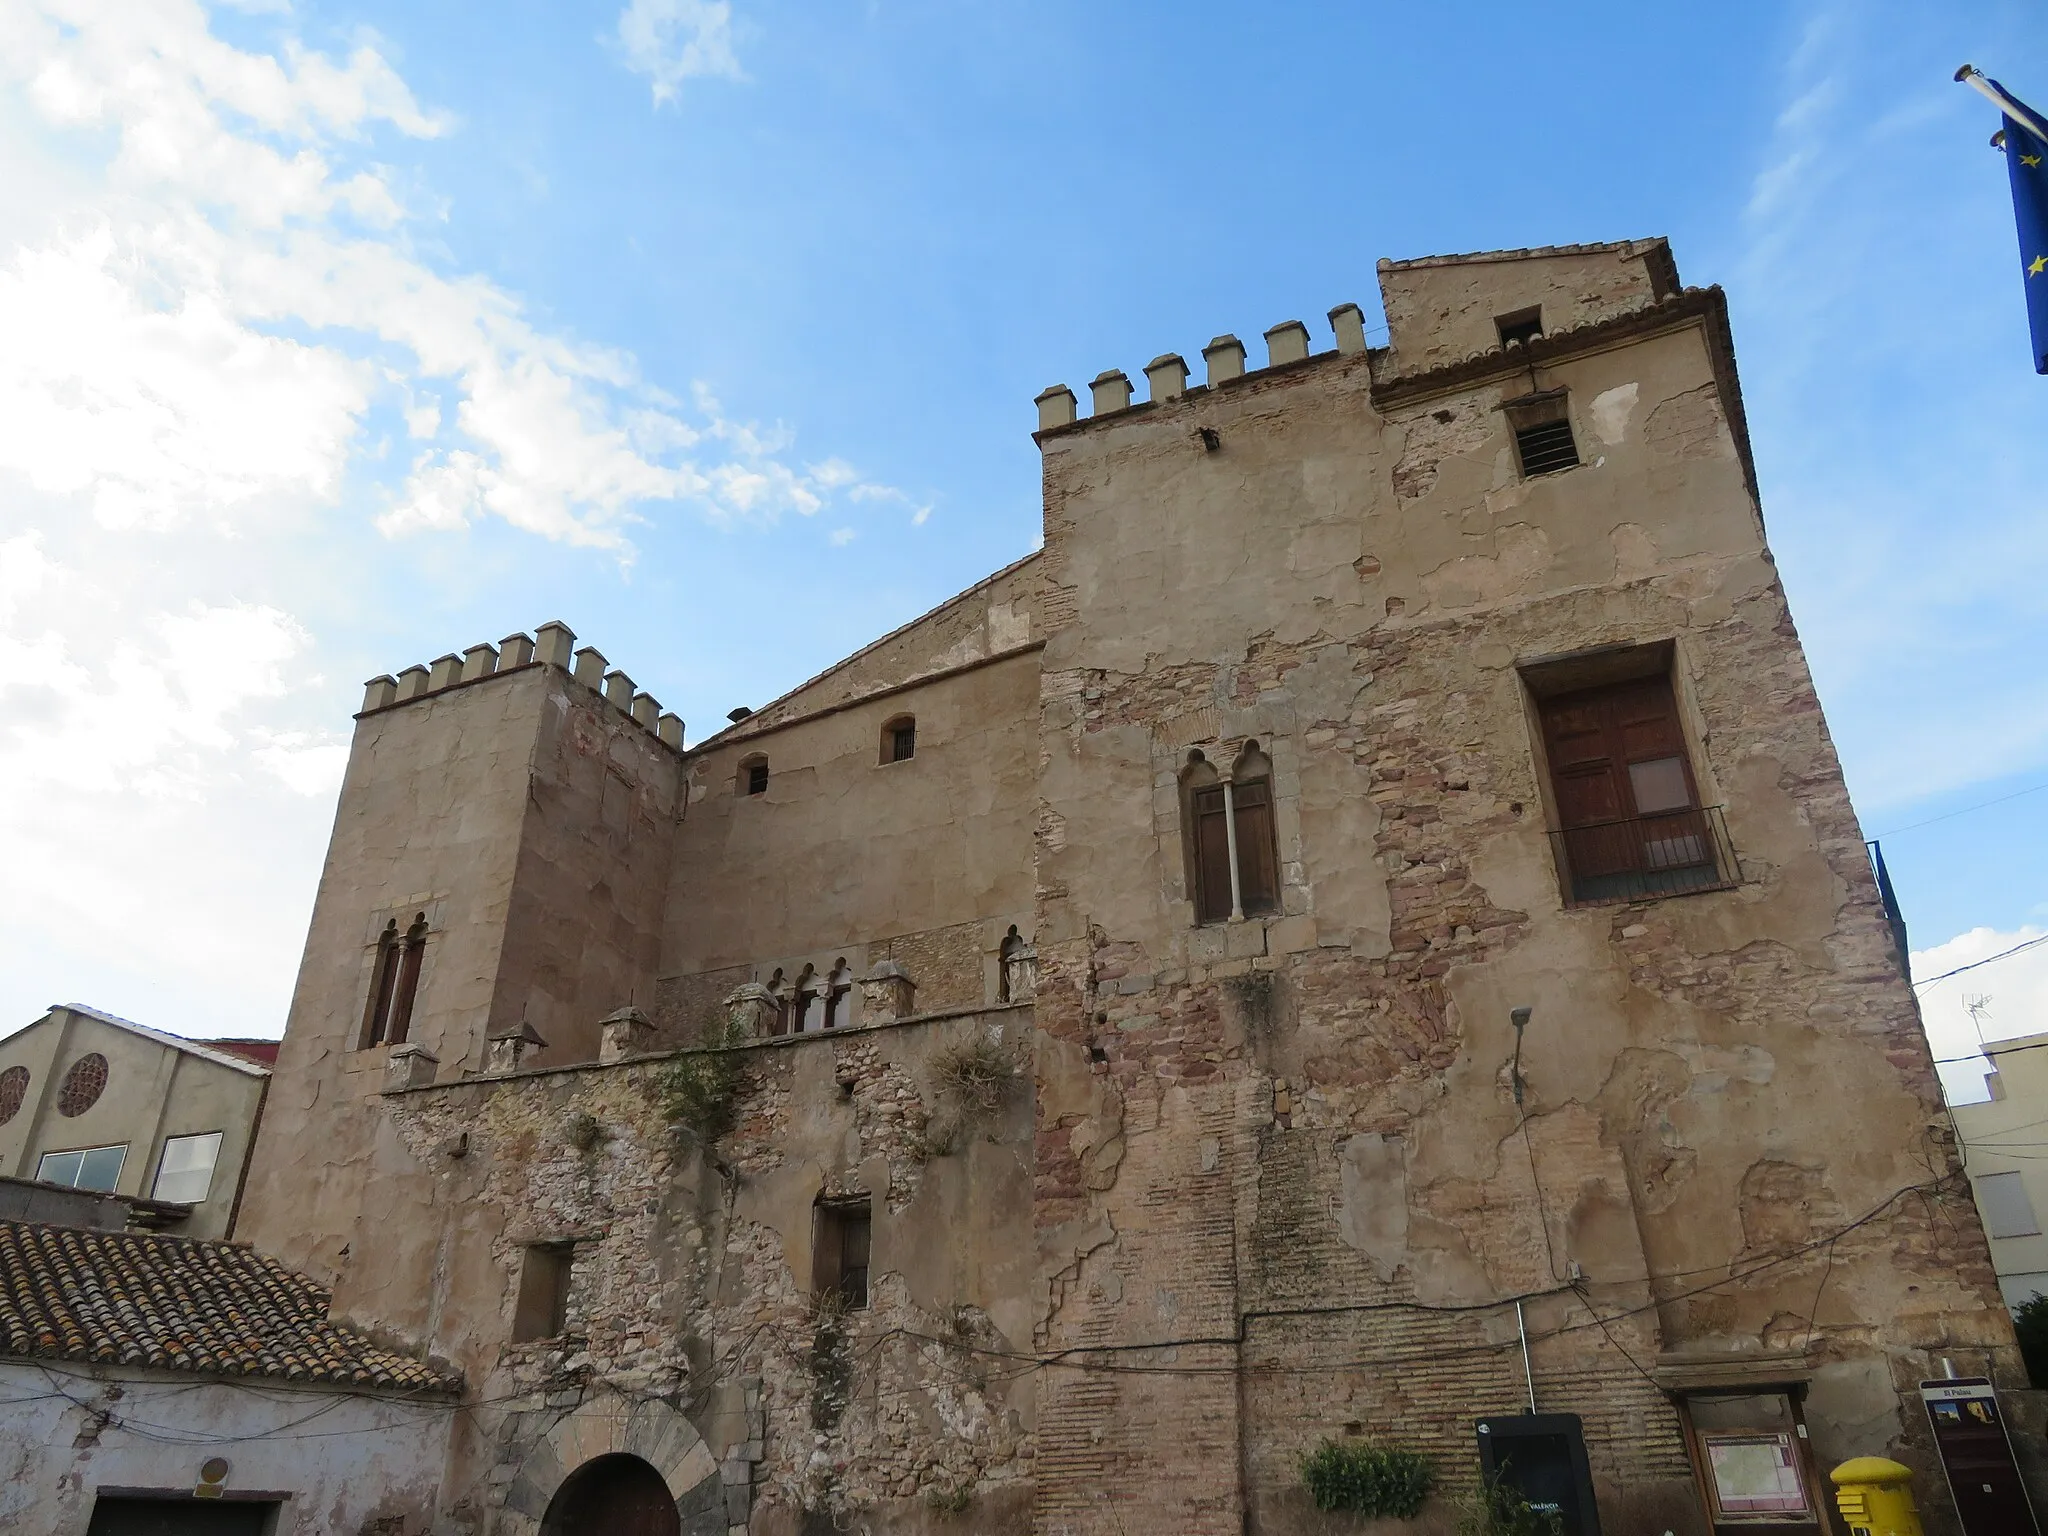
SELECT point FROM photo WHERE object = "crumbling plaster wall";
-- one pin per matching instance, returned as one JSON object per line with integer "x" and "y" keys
{"x": 1357, "y": 593}
{"x": 1443, "y": 308}
{"x": 927, "y": 861}
{"x": 691, "y": 1279}
{"x": 366, "y": 1462}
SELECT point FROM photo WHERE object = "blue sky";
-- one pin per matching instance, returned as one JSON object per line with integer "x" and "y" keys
{"x": 345, "y": 334}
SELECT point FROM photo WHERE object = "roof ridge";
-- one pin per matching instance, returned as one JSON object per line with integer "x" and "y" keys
{"x": 164, "y": 1037}
{"x": 1595, "y": 247}
{"x": 881, "y": 640}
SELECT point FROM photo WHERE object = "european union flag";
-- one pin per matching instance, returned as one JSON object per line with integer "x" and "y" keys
{"x": 2026, "y": 160}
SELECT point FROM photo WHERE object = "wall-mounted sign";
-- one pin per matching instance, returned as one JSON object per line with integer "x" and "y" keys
{"x": 1754, "y": 1474}
{"x": 213, "y": 1473}
{"x": 1976, "y": 1457}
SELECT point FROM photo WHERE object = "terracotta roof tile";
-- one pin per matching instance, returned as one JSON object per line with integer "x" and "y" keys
{"x": 173, "y": 1303}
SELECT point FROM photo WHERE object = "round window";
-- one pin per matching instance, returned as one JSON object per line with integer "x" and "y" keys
{"x": 82, "y": 1085}
{"x": 13, "y": 1089}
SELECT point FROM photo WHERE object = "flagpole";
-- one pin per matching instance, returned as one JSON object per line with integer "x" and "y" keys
{"x": 1970, "y": 75}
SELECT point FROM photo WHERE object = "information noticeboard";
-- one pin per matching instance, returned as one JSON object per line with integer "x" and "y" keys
{"x": 1976, "y": 1457}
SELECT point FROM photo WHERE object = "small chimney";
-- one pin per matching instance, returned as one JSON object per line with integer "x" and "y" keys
{"x": 410, "y": 1065}
{"x": 625, "y": 1033}
{"x": 507, "y": 1047}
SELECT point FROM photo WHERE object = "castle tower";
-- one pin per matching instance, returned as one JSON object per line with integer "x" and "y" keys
{"x": 498, "y": 865}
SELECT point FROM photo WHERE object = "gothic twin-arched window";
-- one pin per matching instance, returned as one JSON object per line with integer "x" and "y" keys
{"x": 1233, "y": 858}
{"x": 395, "y": 983}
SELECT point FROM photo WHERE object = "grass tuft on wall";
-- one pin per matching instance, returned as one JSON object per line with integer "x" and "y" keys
{"x": 1367, "y": 1479}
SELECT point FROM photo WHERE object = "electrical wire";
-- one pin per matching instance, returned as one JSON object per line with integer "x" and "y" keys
{"x": 1915, "y": 826}
{"x": 2003, "y": 954}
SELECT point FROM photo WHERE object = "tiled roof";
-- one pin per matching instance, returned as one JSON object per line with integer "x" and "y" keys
{"x": 172, "y": 1303}
{"x": 1594, "y": 248}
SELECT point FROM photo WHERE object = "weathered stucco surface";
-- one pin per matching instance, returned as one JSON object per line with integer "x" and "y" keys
{"x": 337, "y": 1463}
{"x": 1264, "y": 1181}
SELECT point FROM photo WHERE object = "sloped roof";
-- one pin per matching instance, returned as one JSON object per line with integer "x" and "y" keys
{"x": 223, "y": 1057}
{"x": 178, "y": 1304}
{"x": 1519, "y": 253}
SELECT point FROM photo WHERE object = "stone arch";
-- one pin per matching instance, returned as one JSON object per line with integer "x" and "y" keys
{"x": 610, "y": 1425}
{"x": 614, "y": 1495}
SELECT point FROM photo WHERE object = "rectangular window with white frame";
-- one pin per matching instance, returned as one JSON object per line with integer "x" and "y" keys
{"x": 184, "y": 1172}
{"x": 94, "y": 1168}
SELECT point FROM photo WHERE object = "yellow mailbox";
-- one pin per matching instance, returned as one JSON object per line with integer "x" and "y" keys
{"x": 1876, "y": 1497}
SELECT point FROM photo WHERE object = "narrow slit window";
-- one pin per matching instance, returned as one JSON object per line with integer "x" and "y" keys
{"x": 542, "y": 1310}
{"x": 843, "y": 1240}
{"x": 899, "y": 740}
{"x": 383, "y": 981}
{"x": 754, "y": 776}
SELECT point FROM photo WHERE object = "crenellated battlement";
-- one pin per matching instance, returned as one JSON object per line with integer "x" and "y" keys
{"x": 1166, "y": 376}
{"x": 552, "y": 645}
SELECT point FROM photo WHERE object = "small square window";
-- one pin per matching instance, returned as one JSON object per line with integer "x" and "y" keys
{"x": 184, "y": 1174}
{"x": 542, "y": 1311}
{"x": 843, "y": 1239}
{"x": 1521, "y": 327}
{"x": 94, "y": 1168}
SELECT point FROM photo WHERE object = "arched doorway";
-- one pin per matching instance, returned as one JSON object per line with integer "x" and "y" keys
{"x": 616, "y": 1495}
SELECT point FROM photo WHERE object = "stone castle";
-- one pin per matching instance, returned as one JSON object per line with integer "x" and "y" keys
{"x": 1360, "y": 938}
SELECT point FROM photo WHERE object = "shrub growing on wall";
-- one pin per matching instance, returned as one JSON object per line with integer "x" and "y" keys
{"x": 697, "y": 1090}
{"x": 2030, "y": 1320}
{"x": 1367, "y": 1479}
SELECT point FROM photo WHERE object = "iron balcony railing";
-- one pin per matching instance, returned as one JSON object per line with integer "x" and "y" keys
{"x": 1639, "y": 858}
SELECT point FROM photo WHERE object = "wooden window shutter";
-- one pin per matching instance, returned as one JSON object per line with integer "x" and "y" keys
{"x": 1212, "y": 856}
{"x": 1258, "y": 864}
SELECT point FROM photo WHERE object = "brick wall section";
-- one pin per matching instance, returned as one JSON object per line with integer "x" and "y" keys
{"x": 946, "y": 963}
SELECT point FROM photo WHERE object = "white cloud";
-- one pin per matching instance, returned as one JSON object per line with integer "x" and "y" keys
{"x": 841, "y": 537}
{"x": 670, "y": 41}
{"x": 2009, "y": 998}
{"x": 212, "y": 332}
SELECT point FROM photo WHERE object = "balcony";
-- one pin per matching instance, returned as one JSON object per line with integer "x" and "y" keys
{"x": 1642, "y": 858}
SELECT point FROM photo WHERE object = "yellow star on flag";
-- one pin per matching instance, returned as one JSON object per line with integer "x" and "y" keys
{"x": 2037, "y": 266}
{"x": 2030, "y": 159}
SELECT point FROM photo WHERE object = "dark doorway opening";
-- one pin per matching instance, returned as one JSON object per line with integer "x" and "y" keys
{"x": 181, "y": 1517}
{"x": 616, "y": 1495}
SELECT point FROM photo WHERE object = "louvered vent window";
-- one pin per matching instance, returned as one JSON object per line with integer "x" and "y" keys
{"x": 1543, "y": 432}
{"x": 1547, "y": 447}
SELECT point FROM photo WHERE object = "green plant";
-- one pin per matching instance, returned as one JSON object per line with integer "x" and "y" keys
{"x": 1498, "y": 1509}
{"x": 970, "y": 1080}
{"x": 1368, "y": 1479}
{"x": 2030, "y": 1322}
{"x": 581, "y": 1130}
{"x": 949, "y": 1501}
{"x": 699, "y": 1089}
